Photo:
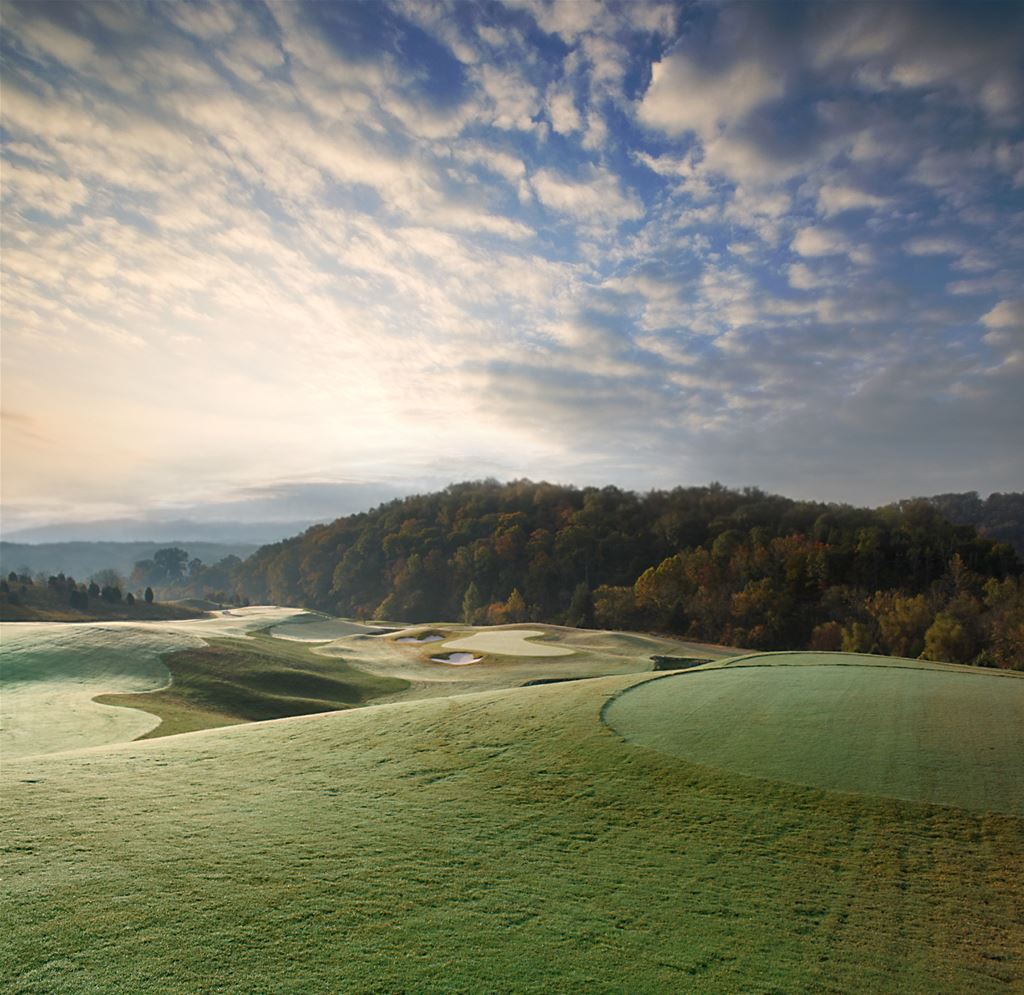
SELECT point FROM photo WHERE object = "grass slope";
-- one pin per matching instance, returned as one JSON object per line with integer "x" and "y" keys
{"x": 228, "y": 681}
{"x": 944, "y": 735}
{"x": 502, "y": 841}
{"x": 50, "y": 674}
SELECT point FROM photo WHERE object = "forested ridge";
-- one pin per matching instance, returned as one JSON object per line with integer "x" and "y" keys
{"x": 740, "y": 567}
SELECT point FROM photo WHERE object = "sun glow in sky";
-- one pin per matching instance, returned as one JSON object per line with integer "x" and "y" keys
{"x": 252, "y": 248}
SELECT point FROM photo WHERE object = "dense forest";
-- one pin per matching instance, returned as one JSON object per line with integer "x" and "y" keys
{"x": 999, "y": 516}
{"x": 743, "y": 568}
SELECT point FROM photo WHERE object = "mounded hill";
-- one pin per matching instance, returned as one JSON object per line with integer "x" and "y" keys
{"x": 706, "y": 563}
{"x": 505, "y": 840}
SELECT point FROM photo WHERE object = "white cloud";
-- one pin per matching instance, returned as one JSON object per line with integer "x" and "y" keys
{"x": 834, "y": 199}
{"x": 814, "y": 242}
{"x": 802, "y": 277}
{"x": 511, "y": 101}
{"x": 684, "y": 96}
{"x": 562, "y": 110}
{"x": 597, "y": 197}
{"x": 1005, "y": 323}
{"x": 934, "y": 245}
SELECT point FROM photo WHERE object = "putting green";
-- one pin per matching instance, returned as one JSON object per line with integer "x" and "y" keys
{"x": 508, "y": 642}
{"x": 917, "y": 733}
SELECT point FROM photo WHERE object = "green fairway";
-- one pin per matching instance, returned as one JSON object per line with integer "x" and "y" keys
{"x": 229, "y": 681}
{"x": 52, "y": 672}
{"x": 915, "y": 731}
{"x": 310, "y": 628}
{"x": 68, "y": 686}
{"x": 509, "y": 642}
{"x": 504, "y": 841}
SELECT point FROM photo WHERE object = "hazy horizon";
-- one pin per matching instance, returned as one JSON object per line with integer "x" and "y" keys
{"x": 269, "y": 261}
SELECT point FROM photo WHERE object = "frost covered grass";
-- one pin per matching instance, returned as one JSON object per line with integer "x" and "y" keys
{"x": 67, "y": 686}
{"x": 51, "y": 672}
{"x": 486, "y": 842}
{"x": 907, "y": 729}
{"x": 230, "y": 681}
{"x": 312, "y": 628}
{"x": 508, "y": 642}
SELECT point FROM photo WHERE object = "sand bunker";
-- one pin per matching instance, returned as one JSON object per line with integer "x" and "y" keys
{"x": 417, "y": 640}
{"x": 457, "y": 659}
{"x": 508, "y": 642}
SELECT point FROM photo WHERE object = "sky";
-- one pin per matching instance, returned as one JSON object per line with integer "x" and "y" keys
{"x": 262, "y": 255}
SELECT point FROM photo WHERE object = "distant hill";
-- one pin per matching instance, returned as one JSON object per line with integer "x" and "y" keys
{"x": 999, "y": 516}
{"x": 182, "y": 531}
{"x": 743, "y": 568}
{"x": 83, "y": 559}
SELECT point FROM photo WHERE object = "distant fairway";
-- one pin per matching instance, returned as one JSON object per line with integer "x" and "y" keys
{"x": 926, "y": 733}
{"x": 509, "y": 642}
{"x": 319, "y": 628}
{"x": 52, "y": 672}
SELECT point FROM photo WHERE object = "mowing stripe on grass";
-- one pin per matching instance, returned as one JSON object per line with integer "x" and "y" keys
{"x": 923, "y": 734}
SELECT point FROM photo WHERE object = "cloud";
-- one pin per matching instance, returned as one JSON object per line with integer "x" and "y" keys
{"x": 322, "y": 242}
{"x": 836, "y": 198}
{"x": 562, "y": 110}
{"x": 596, "y": 197}
{"x": 802, "y": 277}
{"x": 685, "y": 96}
{"x": 1005, "y": 323}
{"x": 814, "y": 242}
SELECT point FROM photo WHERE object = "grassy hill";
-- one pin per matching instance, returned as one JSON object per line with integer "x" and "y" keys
{"x": 506, "y": 840}
{"x": 228, "y": 681}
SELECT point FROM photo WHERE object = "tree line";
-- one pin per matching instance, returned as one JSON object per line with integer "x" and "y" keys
{"x": 737, "y": 567}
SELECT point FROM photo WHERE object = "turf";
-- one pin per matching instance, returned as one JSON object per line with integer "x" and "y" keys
{"x": 504, "y": 841}
{"x": 922, "y": 733}
{"x": 319, "y": 628}
{"x": 508, "y": 642}
{"x": 50, "y": 673}
{"x": 229, "y": 681}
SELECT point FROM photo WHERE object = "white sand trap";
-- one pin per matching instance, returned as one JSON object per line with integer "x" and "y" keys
{"x": 508, "y": 642}
{"x": 457, "y": 659}
{"x": 418, "y": 640}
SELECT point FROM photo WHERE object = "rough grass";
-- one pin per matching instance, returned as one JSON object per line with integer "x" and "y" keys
{"x": 504, "y": 841}
{"x": 918, "y": 732}
{"x": 229, "y": 681}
